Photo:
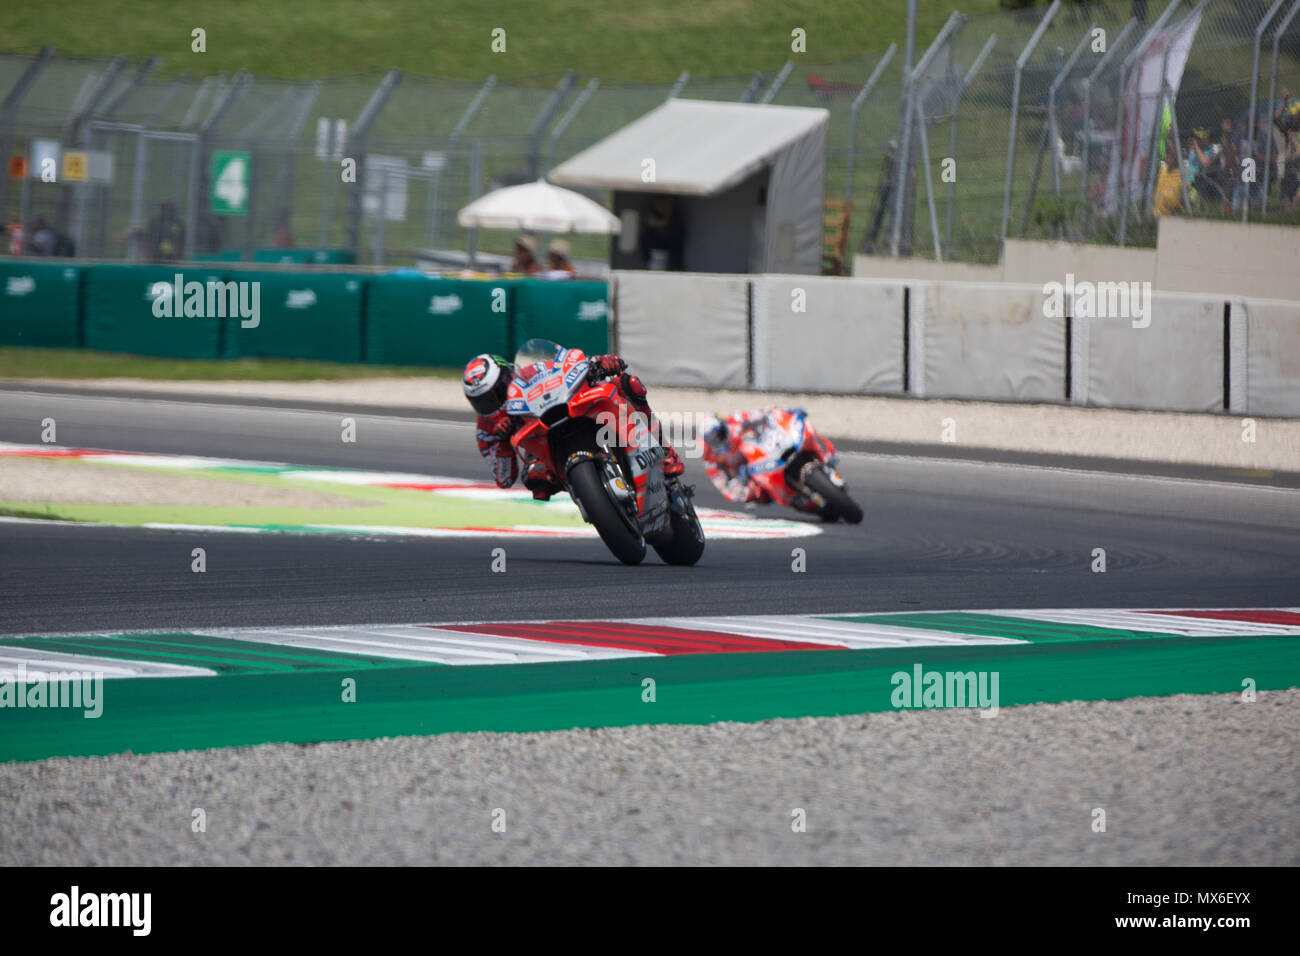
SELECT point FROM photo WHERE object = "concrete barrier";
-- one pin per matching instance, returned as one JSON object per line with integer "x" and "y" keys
{"x": 1176, "y": 363}
{"x": 978, "y": 340}
{"x": 684, "y": 328}
{"x": 1268, "y": 331}
{"x": 828, "y": 334}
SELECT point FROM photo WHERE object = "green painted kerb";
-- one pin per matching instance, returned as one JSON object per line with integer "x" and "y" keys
{"x": 164, "y": 714}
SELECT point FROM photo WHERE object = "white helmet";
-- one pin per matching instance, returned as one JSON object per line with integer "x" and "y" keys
{"x": 714, "y": 431}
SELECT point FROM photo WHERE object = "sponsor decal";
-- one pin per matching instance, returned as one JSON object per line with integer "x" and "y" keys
{"x": 300, "y": 299}
{"x": 20, "y": 285}
{"x": 445, "y": 304}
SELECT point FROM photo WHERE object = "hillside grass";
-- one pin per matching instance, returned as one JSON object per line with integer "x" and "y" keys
{"x": 649, "y": 41}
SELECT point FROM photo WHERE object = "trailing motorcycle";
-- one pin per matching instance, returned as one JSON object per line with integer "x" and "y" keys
{"x": 795, "y": 466}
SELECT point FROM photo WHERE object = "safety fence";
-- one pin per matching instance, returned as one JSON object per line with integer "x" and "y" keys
{"x": 1053, "y": 121}
{"x": 202, "y": 311}
{"x": 1088, "y": 343}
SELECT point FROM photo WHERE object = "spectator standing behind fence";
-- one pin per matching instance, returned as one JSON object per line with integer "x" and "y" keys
{"x": 164, "y": 234}
{"x": 1255, "y": 144}
{"x": 44, "y": 240}
{"x": 283, "y": 238}
{"x": 1202, "y": 158}
{"x": 557, "y": 261}
{"x": 1169, "y": 185}
{"x": 525, "y": 259}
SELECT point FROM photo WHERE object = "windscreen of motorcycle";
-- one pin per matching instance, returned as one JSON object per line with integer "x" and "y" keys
{"x": 543, "y": 385}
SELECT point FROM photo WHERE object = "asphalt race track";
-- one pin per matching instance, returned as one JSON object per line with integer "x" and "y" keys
{"x": 711, "y": 773}
{"x": 939, "y": 534}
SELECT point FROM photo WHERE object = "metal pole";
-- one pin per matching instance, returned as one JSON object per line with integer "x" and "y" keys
{"x": 7, "y": 110}
{"x": 1272, "y": 94}
{"x": 201, "y": 94}
{"x": 587, "y": 93}
{"x": 1126, "y": 160}
{"x": 1153, "y": 167}
{"x": 751, "y": 91}
{"x": 75, "y": 134}
{"x": 778, "y": 82}
{"x": 954, "y": 23}
{"x": 1087, "y": 100}
{"x": 679, "y": 84}
{"x": 475, "y": 185}
{"x": 1015, "y": 107}
{"x": 1051, "y": 107}
{"x": 355, "y": 149}
{"x": 544, "y": 118}
{"x": 853, "y": 115}
{"x": 1254, "y": 91}
{"x": 198, "y": 175}
{"x": 952, "y": 139}
{"x": 435, "y": 211}
{"x": 137, "y": 195}
{"x": 919, "y": 113}
{"x": 473, "y": 108}
{"x": 113, "y": 105}
{"x": 1172, "y": 99}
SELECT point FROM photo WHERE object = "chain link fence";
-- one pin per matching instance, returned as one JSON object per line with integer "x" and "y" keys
{"x": 1078, "y": 121}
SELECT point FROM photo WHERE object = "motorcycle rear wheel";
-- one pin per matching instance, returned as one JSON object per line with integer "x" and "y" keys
{"x": 687, "y": 544}
{"x": 586, "y": 484}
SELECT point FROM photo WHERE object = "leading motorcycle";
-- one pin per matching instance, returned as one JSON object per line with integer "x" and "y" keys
{"x": 604, "y": 452}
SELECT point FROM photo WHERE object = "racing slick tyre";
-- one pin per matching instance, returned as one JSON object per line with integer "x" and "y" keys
{"x": 838, "y": 502}
{"x": 687, "y": 544}
{"x": 607, "y": 515}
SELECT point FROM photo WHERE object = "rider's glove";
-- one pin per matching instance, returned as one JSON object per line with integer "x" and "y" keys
{"x": 503, "y": 431}
{"x": 606, "y": 366}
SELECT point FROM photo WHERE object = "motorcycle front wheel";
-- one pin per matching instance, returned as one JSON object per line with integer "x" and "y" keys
{"x": 838, "y": 502}
{"x": 612, "y": 524}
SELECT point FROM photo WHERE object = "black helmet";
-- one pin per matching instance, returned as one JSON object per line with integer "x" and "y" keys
{"x": 486, "y": 380}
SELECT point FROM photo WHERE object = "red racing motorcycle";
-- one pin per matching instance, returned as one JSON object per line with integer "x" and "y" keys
{"x": 794, "y": 465}
{"x": 604, "y": 452}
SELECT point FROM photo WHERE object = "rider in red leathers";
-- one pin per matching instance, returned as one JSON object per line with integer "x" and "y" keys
{"x": 485, "y": 382}
{"x": 725, "y": 463}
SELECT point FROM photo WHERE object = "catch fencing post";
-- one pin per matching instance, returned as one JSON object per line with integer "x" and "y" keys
{"x": 1254, "y": 91}
{"x": 1272, "y": 94}
{"x": 1015, "y": 107}
{"x": 355, "y": 147}
{"x": 853, "y": 114}
{"x": 587, "y": 93}
{"x": 198, "y": 174}
{"x": 952, "y": 139}
{"x": 912, "y": 109}
{"x": 544, "y": 118}
{"x": 7, "y": 110}
{"x": 453, "y": 141}
{"x": 778, "y": 82}
{"x": 679, "y": 84}
{"x": 1125, "y": 160}
{"x": 751, "y": 91}
{"x": 1087, "y": 100}
{"x": 1051, "y": 108}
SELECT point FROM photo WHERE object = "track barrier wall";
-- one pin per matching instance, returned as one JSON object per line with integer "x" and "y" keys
{"x": 402, "y": 318}
{"x": 40, "y": 304}
{"x": 961, "y": 340}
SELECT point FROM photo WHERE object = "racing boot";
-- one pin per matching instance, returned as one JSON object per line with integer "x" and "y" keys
{"x": 540, "y": 482}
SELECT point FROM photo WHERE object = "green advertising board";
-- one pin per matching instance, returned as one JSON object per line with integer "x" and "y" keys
{"x": 39, "y": 304}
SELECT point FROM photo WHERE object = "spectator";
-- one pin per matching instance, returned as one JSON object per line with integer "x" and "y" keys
{"x": 164, "y": 234}
{"x": 1202, "y": 159}
{"x": 525, "y": 259}
{"x": 1290, "y": 174}
{"x": 45, "y": 240}
{"x": 557, "y": 260}
{"x": 662, "y": 238}
{"x": 283, "y": 238}
{"x": 1169, "y": 186}
{"x": 1253, "y": 146}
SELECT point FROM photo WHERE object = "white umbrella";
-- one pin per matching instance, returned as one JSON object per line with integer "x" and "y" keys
{"x": 538, "y": 206}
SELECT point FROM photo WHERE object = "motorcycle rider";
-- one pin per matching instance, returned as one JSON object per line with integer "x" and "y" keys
{"x": 724, "y": 461}
{"x": 485, "y": 383}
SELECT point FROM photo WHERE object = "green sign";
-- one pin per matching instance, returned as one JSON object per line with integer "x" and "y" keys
{"x": 229, "y": 189}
